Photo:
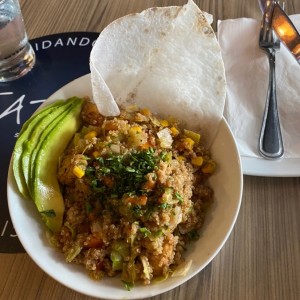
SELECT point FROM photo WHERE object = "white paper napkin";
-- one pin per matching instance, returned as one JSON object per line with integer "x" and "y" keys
{"x": 247, "y": 74}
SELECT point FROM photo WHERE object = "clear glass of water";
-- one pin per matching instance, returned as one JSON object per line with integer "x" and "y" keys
{"x": 16, "y": 54}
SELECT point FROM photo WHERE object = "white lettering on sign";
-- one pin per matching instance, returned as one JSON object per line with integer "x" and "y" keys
{"x": 59, "y": 42}
{"x": 82, "y": 42}
{"x": 46, "y": 44}
{"x": 16, "y": 107}
{"x": 37, "y": 101}
{"x": 71, "y": 41}
{"x": 6, "y": 93}
{"x": 4, "y": 229}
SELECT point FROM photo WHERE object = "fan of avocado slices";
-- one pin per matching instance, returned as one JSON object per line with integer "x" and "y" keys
{"x": 41, "y": 141}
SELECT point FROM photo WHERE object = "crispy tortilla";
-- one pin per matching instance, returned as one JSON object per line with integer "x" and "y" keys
{"x": 166, "y": 59}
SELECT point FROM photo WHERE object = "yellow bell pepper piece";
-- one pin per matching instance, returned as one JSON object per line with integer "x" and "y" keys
{"x": 193, "y": 135}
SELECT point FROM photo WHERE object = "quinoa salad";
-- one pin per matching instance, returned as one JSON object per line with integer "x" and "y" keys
{"x": 135, "y": 192}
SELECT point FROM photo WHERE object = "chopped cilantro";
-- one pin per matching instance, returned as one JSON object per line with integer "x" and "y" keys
{"x": 89, "y": 170}
{"x": 128, "y": 172}
{"x": 166, "y": 156}
{"x": 158, "y": 233}
{"x": 179, "y": 197}
{"x": 105, "y": 170}
{"x": 164, "y": 205}
{"x": 137, "y": 211}
{"x": 145, "y": 231}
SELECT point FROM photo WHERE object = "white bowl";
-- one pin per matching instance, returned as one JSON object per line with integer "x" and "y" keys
{"x": 227, "y": 184}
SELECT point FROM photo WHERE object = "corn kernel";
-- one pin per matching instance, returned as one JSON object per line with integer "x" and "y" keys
{"x": 188, "y": 143}
{"x": 208, "y": 167}
{"x": 164, "y": 123}
{"x": 146, "y": 112}
{"x": 174, "y": 131}
{"x": 181, "y": 158}
{"x": 90, "y": 135}
{"x": 78, "y": 172}
{"x": 96, "y": 154}
{"x": 197, "y": 161}
{"x": 135, "y": 130}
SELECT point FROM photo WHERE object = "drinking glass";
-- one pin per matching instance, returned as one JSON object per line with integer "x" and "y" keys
{"x": 16, "y": 54}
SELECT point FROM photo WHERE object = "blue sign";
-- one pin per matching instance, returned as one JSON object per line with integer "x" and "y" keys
{"x": 60, "y": 58}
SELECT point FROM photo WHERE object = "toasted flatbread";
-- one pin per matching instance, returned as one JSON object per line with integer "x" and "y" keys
{"x": 166, "y": 59}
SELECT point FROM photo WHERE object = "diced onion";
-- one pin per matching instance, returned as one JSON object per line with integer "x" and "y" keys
{"x": 175, "y": 218}
{"x": 165, "y": 138}
{"x": 115, "y": 148}
{"x": 147, "y": 270}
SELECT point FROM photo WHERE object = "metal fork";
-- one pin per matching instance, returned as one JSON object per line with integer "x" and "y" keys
{"x": 270, "y": 140}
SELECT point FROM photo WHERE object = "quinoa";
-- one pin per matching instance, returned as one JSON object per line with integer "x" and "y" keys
{"x": 135, "y": 191}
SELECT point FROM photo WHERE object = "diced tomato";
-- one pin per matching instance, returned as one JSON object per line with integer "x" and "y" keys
{"x": 108, "y": 181}
{"x": 110, "y": 126}
{"x": 145, "y": 146}
{"x": 138, "y": 200}
{"x": 149, "y": 185}
{"x": 92, "y": 242}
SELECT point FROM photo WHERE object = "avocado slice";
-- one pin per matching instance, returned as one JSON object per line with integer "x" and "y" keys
{"x": 39, "y": 112}
{"x": 31, "y": 146}
{"x": 24, "y": 135}
{"x": 46, "y": 190}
